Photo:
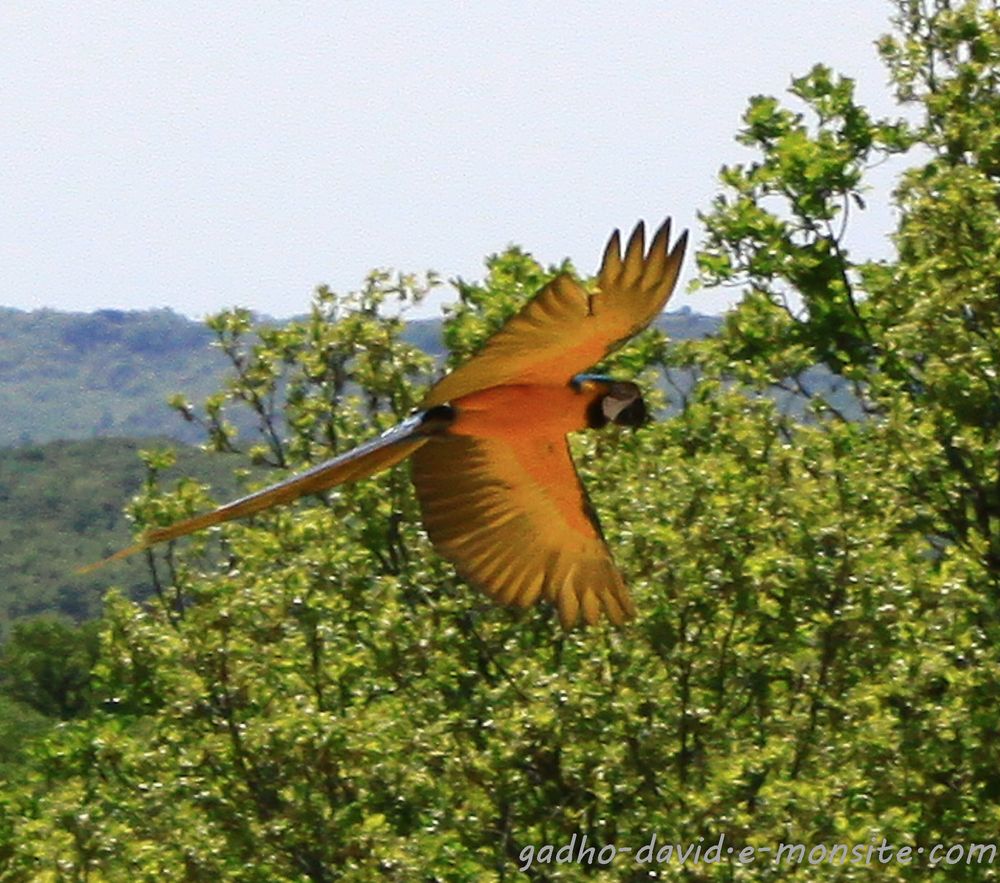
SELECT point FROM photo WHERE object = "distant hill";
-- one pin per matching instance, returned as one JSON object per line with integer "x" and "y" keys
{"x": 81, "y": 375}
{"x": 61, "y": 507}
{"x": 109, "y": 373}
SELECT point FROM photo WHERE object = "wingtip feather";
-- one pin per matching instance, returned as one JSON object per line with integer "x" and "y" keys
{"x": 568, "y": 607}
{"x": 635, "y": 256}
{"x": 662, "y": 235}
{"x": 611, "y": 263}
{"x": 680, "y": 246}
{"x": 659, "y": 256}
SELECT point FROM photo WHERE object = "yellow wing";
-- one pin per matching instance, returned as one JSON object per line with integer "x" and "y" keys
{"x": 515, "y": 521}
{"x": 562, "y": 331}
{"x": 373, "y": 456}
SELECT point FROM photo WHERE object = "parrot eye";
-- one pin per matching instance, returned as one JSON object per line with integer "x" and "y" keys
{"x": 624, "y": 405}
{"x": 633, "y": 414}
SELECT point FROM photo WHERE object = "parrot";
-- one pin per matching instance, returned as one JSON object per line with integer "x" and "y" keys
{"x": 499, "y": 494}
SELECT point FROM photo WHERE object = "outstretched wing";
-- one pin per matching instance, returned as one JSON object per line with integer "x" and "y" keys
{"x": 365, "y": 460}
{"x": 563, "y": 330}
{"x": 515, "y": 521}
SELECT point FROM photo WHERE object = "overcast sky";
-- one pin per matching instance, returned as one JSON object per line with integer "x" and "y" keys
{"x": 202, "y": 155}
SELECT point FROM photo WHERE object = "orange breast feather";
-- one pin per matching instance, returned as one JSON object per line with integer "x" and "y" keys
{"x": 519, "y": 412}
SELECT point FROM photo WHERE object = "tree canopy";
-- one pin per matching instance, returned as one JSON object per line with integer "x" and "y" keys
{"x": 816, "y": 656}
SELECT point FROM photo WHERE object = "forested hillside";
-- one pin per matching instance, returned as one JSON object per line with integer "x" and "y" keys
{"x": 78, "y": 375}
{"x": 313, "y": 694}
{"x": 62, "y": 505}
{"x": 111, "y": 373}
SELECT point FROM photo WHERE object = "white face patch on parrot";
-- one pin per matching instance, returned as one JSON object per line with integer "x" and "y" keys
{"x": 622, "y": 397}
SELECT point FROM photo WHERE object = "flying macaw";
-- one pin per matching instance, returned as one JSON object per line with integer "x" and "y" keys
{"x": 499, "y": 494}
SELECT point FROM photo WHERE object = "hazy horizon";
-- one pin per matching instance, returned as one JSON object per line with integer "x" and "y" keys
{"x": 197, "y": 157}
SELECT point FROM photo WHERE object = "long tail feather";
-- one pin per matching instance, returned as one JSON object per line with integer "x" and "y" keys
{"x": 363, "y": 461}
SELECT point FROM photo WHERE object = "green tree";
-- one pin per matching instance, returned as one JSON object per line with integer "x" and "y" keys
{"x": 46, "y": 663}
{"x": 815, "y": 659}
{"x": 919, "y": 338}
